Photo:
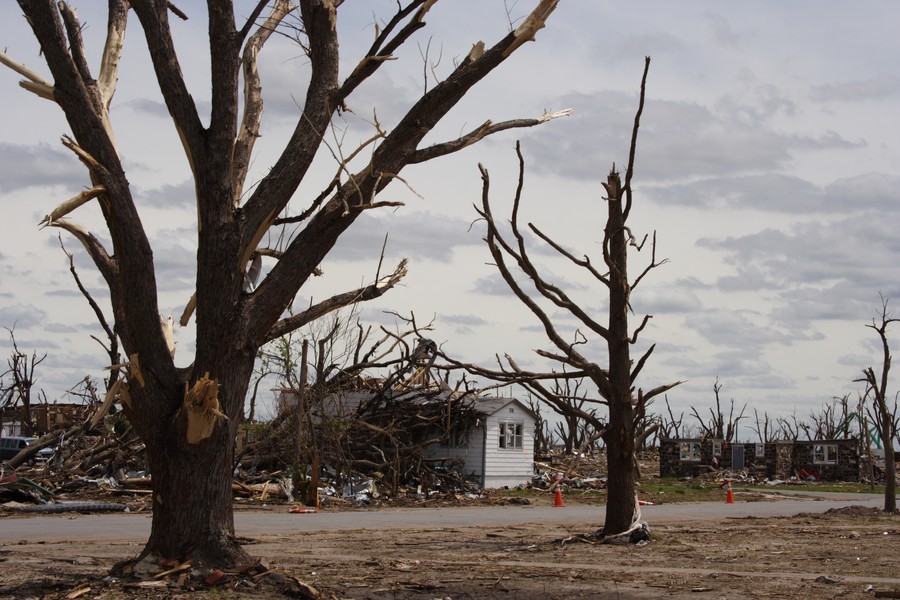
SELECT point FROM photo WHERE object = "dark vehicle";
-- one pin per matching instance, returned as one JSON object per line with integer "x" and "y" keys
{"x": 12, "y": 445}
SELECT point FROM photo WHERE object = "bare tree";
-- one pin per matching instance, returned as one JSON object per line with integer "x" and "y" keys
{"x": 543, "y": 435}
{"x": 187, "y": 417}
{"x": 579, "y": 425}
{"x": 19, "y": 391}
{"x": 885, "y": 415}
{"x": 615, "y": 382}
{"x": 789, "y": 428}
{"x": 763, "y": 428}
{"x": 671, "y": 427}
{"x": 832, "y": 421}
{"x": 718, "y": 427}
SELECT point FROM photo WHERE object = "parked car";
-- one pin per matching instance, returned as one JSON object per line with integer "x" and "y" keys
{"x": 13, "y": 444}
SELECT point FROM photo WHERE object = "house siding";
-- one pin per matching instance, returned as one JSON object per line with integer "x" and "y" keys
{"x": 508, "y": 467}
{"x": 471, "y": 455}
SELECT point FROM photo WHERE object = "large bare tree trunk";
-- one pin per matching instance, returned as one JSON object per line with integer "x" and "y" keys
{"x": 619, "y": 435}
{"x": 192, "y": 508}
{"x": 187, "y": 417}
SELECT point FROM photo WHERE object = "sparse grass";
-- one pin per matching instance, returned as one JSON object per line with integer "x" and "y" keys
{"x": 672, "y": 490}
{"x": 850, "y": 487}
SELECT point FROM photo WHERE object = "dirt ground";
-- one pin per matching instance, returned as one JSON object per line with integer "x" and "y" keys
{"x": 840, "y": 554}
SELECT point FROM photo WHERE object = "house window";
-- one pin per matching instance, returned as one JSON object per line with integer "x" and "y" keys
{"x": 690, "y": 452}
{"x": 510, "y": 435}
{"x": 760, "y": 450}
{"x": 825, "y": 454}
{"x": 717, "y": 449}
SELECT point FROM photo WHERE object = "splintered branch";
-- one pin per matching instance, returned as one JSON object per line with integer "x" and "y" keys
{"x": 532, "y": 24}
{"x": 112, "y": 51}
{"x": 338, "y": 301}
{"x": 486, "y": 129}
{"x": 33, "y": 82}
{"x": 71, "y": 204}
{"x": 253, "y": 100}
{"x": 115, "y": 36}
{"x": 89, "y": 161}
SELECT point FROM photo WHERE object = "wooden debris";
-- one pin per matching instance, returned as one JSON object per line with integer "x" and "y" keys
{"x": 78, "y": 593}
{"x": 186, "y": 566}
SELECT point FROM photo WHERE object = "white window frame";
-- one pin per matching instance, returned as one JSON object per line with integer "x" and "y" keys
{"x": 717, "y": 448}
{"x": 760, "y": 450}
{"x": 689, "y": 452}
{"x": 511, "y": 435}
{"x": 825, "y": 454}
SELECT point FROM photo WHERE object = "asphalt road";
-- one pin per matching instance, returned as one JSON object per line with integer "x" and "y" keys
{"x": 277, "y": 520}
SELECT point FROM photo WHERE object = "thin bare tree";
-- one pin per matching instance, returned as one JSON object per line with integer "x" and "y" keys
{"x": 615, "y": 381}
{"x": 719, "y": 427}
{"x": 671, "y": 427}
{"x": 885, "y": 415}
{"x": 19, "y": 390}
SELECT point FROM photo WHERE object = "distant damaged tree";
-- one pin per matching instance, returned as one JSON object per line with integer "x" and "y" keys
{"x": 885, "y": 415}
{"x": 18, "y": 391}
{"x": 670, "y": 427}
{"x": 188, "y": 417}
{"x": 719, "y": 427}
{"x": 615, "y": 381}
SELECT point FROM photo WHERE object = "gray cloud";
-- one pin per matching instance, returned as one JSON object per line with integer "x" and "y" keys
{"x": 659, "y": 301}
{"x": 21, "y": 316}
{"x": 492, "y": 285}
{"x": 744, "y": 331}
{"x": 416, "y": 235}
{"x": 875, "y": 88}
{"x": 860, "y": 251}
{"x": 678, "y": 140}
{"x": 36, "y": 165}
{"x": 468, "y": 320}
{"x": 158, "y": 109}
{"x": 179, "y": 195}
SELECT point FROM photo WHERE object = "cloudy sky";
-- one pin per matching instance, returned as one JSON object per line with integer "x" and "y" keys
{"x": 768, "y": 165}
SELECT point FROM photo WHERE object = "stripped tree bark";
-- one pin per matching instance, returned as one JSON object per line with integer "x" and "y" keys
{"x": 616, "y": 381}
{"x": 188, "y": 416}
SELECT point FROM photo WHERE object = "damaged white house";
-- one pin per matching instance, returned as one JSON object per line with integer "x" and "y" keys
{"x": 499, "y": 451}
{"x": 495, "y": 447}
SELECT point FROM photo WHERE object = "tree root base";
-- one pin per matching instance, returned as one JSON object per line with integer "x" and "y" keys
{"x": 153, "y": 573}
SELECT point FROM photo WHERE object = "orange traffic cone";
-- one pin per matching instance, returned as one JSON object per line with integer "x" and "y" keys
{"x": 557, "y": 499}
{"x": 729, "y": 495}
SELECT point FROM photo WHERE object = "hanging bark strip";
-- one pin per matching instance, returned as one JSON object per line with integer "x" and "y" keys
{"x": 202, "y": 409}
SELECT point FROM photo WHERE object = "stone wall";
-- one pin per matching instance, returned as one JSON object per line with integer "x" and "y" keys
{"x": 845, "y": 468}
{"x": 780, "y": 460}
